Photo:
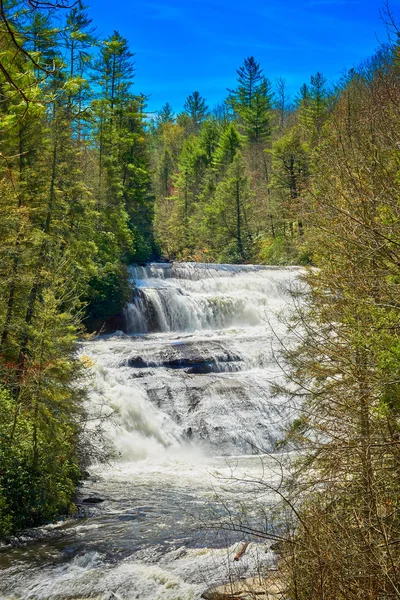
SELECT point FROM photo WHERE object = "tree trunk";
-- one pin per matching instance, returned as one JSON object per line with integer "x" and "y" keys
{"x": 238, "y": 220}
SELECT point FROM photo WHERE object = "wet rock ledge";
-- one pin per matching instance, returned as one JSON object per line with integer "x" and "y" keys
{"x": 197, "y": 358}
{"x": 256, "y": 588}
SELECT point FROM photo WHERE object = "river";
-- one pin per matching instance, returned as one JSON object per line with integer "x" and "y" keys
{"x": 184, "y": 399}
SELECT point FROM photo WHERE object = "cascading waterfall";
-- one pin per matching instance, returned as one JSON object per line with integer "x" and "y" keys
{"x": 202, "y": 372}
{"x": 183, "y": 393}
{"x": 190, "y": 297}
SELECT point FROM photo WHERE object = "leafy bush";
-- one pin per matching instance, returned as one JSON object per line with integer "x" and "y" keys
{"x": 39, "y": 469}
{"x": 108, "y": 293}
{"x": 282, "y": 250}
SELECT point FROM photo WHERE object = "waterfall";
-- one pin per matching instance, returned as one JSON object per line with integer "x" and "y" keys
{"x": 190, "y": 296}
{"x": 184, "y": 396}
{"x": 197, "y": 364}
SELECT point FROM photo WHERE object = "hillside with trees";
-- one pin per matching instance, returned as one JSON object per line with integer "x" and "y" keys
{"x": 230, "y": 182}
{"x": 343, "y": 541}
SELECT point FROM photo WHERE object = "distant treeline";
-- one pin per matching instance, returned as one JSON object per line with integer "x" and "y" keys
{"x": 230, "y": 183}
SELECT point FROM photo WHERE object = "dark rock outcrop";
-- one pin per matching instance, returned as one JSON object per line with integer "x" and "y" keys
{"x": 193, "y": 358}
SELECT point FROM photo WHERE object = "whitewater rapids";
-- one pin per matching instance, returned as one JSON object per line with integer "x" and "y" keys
{"x": 184, "y": 395}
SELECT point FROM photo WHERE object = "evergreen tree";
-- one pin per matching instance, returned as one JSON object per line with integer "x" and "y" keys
{"x": 195, "y": 106}
{"x": 187, "y": 187}
{"x": 290, "y": 171}
{"x": 252, "y": 101}
{"x": 79, "y": 40}
{"x": 167, "y": 147}
{"x": 229, "y": 143}
{"x": 165, "y": 115}
{"x": 313, "y": 107}
{"x": 209, "y": 137}
{"x": 47, "y": 263}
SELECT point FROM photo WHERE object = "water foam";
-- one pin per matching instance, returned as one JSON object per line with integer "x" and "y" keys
{"x": 189, "y": 297}
{"x": 192, "y": 382}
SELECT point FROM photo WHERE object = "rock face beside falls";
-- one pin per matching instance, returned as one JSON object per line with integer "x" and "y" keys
{"x": 225, "y": 414}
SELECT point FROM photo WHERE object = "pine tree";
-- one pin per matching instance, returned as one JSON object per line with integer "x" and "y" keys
{"x": 47, "y": 263}
{"x": 313, "y": 107}
{"x": 228, "y": 145}
{"x": 165, "y": 115}
{"x": 252, "y": 101}
{"x": 187, "y": 188}
{"x": 79, "y": 40}
{"x": 196, "y": 108}
{"x": 209, "y": 136}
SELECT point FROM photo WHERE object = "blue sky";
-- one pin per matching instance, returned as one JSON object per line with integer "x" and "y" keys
{"x": 182, "y": 46}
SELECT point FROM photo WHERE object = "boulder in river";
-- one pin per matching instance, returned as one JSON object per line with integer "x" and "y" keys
{"x": 92, "y": 500}
{"x": 255, "y": 588}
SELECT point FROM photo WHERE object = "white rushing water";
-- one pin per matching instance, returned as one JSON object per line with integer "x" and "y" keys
{"x": 187, "y": 393}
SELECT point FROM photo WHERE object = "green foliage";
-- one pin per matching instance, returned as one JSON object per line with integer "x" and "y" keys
{"x": 165, "y": 115}
{"x": 36, "y": 482}
{"x": 85, "y": 180}
{"x": 196, "y": 216}
{"x": 290, "y": 163}
{"x": 313, "y": 106}
{"x": 345, "y": 371}
{"x": 76, "y": 205}
{"x": 108, "y": 293}
{"x": 229, "y": 143}
{"x": 228, "y": 213}
{"x": 281, "y": 250}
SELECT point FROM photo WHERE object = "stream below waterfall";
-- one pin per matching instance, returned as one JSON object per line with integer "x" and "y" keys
{"x": 184, "y": 397}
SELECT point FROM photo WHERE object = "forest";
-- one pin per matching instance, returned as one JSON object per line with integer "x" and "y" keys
{"x": 91, "y": 182}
